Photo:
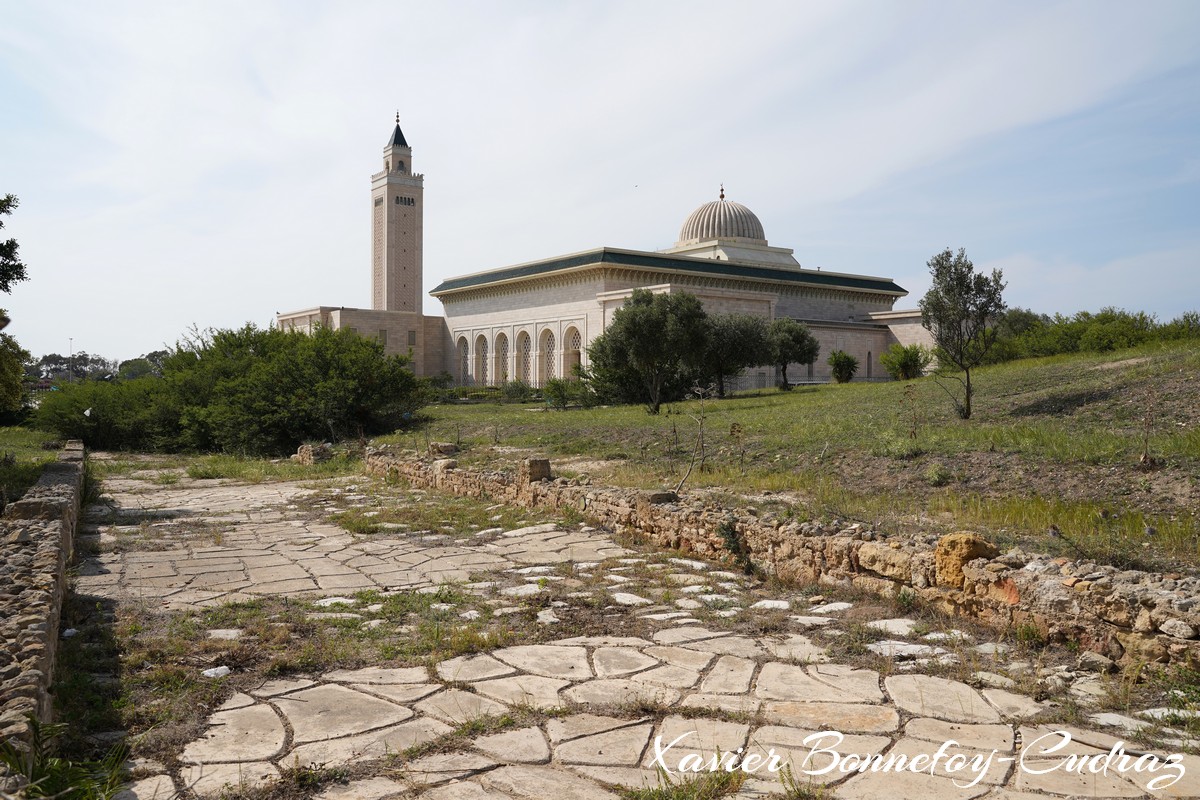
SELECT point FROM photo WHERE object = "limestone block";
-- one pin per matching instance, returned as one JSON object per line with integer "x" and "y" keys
{"x": 532, "y": 470}
{"x": 881, "y": 559}
{"x": 956, "y": 549}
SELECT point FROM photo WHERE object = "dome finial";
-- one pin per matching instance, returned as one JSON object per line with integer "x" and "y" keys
{"x": 722, "y": 191}
{"x": 397, "y": 117}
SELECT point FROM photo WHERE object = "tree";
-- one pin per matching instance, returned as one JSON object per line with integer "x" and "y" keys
{"x": 135, "y": 368}
{"x": 843, "y": 365}
{"x": 732, "y": 343}
{"x": 960, "y": 311}
{"x": 790, "y": 342}
{"x": 652, "y": 350}
{"x": 250, "y": 391}
{"x": 12, "y": 370}
{"x": 11, "y": 269}
{"x": 906, "y": 362}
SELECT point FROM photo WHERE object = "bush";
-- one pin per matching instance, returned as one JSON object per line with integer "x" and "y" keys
{"x": 906, "y": 362}
{"x": 560, "y": 392}
{"x": 249, "y": 391}
{"x": 516, "y": 392}
{"x": 844, "y": 366}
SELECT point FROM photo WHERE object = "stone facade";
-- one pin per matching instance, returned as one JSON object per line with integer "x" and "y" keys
{"x": 37, "y": 536}
{"x": 1128, "y": 616}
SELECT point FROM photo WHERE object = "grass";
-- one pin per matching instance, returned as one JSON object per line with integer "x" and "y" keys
{"x": 703, "y": 786}
{"x": 23, "y": 453}
{"x": 46, "y": 775}
{"x": 394, "y": 506}
{"x": 1054, "y": 441}
{"x": 168, "y": 469}
{"x": 1018, "y": 409}
{"x": 137, "y": 668}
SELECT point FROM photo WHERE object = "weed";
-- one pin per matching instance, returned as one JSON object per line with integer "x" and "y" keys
{"x": 49, "y": 776}
{"x": 736, "y": 545}
{"x": 702, "y": 786}
{"x": 1029, "y": 635}
{"x": 794, "y": 789}
{"x": 462, "y": 735}
{"x": 293, "y": 781}
{"x": 937, "y": 474}
{"x": 906, "y": 601}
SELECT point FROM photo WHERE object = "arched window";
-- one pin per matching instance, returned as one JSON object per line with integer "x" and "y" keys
{"x": 524, "y": 357}
{"x": 481, "y": 360}
{"x": 464, "y": 361}
{"x": 547, "y": 353}
{"x": 399, "y": 166}
{"x": 501, "y": 370}
{"x": 573, "y": 355}
{"x": 869, "y": 369}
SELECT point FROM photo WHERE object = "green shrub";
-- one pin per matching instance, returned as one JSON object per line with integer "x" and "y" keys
{"x": 516, "y": 392}
{"x": 249, "y": 391}
{"x": 906, "y": 362}
{"x": 844, "y": 366}
{"x": 559, "y": 392}
{"x": 937, "y": 475}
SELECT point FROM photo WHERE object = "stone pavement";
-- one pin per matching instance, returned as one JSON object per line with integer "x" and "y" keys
{"x": 260, "y": 544}
{"x": 593, "y": 712}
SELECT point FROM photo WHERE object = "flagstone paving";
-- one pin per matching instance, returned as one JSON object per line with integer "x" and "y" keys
{"x": 599, "y": 711}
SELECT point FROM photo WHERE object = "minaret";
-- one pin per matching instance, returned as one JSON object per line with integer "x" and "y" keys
{"x": 397, "y": 198}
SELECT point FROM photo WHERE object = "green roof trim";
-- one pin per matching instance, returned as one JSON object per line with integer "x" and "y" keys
{"x": 626, "y": 258}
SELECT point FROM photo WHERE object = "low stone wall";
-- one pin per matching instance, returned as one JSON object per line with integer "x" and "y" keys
{"x": 37, "y": 536}
{"x": 1128, "y": 616}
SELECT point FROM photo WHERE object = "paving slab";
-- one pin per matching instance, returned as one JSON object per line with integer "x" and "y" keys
{"x": 844, "y": 717}
{"x": 472, "y": 668}
{"x": 570, "y": 663}
{"x": 614, "y": 662}
{"x": 249, "y": 734}
{"x": 524, "y": 746}
{"x": 208, "y": 780}
{"x": 366, "y": 789}
{"x": 730, "y": 675}
{"x": 535, "y": 691}
{"x": 621, "y": 747}
{"x": 929, "y": 696}
{"x": 456, "y": 706}
{"x": 540, "y": 783}
{"x": 780, "y": 681}
{"x": 332, "y": 711}
{"x": 619, "y": 691}
{"x": 368, "y": 746}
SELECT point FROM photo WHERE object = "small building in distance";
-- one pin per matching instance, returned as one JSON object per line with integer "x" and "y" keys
{"x": 534, "y": 321}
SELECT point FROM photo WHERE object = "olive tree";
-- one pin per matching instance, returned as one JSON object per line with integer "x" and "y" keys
{"x": 651, "y": 352}
{"x": 960, "y": 310}
{"x": 791, "y": 342}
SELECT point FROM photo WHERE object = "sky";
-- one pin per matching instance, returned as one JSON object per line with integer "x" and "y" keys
{"x": 208, "y": 163}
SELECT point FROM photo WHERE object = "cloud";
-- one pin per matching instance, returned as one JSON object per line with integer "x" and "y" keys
{"x": 209, "y": 162}
{"x": 1163, "y": 281}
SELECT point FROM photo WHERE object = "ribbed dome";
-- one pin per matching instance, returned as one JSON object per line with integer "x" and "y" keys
{"x": 722, "y": 219}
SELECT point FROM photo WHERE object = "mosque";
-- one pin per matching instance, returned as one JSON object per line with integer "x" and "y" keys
{"x": 535, "y": 321}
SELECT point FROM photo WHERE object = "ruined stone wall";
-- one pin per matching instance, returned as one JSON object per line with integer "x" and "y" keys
{"x": 37, "y": 535}
{"x": 1127, "y": 615}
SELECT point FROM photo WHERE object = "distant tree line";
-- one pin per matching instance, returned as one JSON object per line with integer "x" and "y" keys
{"x": 1021, "y": 333}
{"x": 250, "y": 391}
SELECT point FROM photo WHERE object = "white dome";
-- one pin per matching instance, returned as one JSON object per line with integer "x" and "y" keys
{"x": 722, "y": 219}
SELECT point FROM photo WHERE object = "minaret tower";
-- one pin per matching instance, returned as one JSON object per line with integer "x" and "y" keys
{"x": 398, "y": 201}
